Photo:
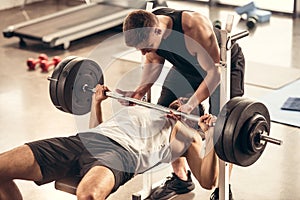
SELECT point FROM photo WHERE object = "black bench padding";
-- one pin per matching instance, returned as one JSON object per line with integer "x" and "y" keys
{"x": 68, "y": 184}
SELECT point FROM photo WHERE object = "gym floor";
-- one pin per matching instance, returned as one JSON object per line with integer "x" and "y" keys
{"x": 27, "y": 112}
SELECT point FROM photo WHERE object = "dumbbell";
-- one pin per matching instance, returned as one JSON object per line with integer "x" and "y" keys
{"x": 217, "y": 24}
{"x": 32, "y": 63}
{"x": 45, "y": 64}
{"x": 253, "y": 14}
{"x": 260, "y": 16}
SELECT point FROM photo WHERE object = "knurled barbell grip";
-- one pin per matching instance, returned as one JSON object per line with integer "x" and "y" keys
{"x": 143, "y": 103}
{"x": 270, "y": 139}
{"x": 153, "y": 106}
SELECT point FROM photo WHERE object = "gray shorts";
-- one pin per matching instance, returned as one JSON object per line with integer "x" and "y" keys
{"x": 76, "y": 155}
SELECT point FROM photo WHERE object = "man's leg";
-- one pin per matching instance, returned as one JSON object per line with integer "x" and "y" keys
{"x": 203, "y": 165}
{"x": 18, "y": 163}
{"x": 175, "y": 86}
{"x": 105, "y": 165}
{"x": 179, "y": 168}
{"x": 166, "y": 98}
{"x": 96, "y": 184}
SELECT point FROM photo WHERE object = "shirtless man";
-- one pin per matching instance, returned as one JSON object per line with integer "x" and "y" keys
{"x": 189, "y": 42}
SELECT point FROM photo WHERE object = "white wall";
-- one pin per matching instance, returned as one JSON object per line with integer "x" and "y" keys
{"x": 5, "y": 4}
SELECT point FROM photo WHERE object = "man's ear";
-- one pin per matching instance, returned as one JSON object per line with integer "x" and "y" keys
{"x": 157, "y": 31}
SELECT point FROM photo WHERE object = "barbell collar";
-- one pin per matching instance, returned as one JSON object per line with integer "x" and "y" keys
{"x": 272, "y": 140}
{"x": 85, "y": 88}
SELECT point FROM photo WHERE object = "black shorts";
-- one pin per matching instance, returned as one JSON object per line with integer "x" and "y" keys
{"x": 76, "y": 155}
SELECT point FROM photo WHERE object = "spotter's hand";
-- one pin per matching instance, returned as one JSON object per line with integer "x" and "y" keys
{"x": 130, "y": 94}
{"x": 185, "y": 108}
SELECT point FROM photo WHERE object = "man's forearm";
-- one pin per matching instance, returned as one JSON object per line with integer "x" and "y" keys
{"x": 152, "y": 68}
{"x": 206, "y": 88}
{"x": 96, "y": 115}
{"x": 141, "y": 90}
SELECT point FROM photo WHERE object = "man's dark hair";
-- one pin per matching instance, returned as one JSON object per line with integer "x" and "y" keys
{"x": 137, "y": 26}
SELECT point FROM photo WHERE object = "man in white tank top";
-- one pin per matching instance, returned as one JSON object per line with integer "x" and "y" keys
{"x": 133, "y": 141}
{"x": 177, "y": 139}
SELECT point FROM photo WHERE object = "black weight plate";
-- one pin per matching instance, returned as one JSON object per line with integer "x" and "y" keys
{"x": 84, "y": 72}
{"x": 220, "y": 126}
{"x": 250, "y": 111}
{"x": 61, "y": 85}
{"x": 230, "y": 127}
{"x": 71, "y": 72}
{"x": 55, "y": 76}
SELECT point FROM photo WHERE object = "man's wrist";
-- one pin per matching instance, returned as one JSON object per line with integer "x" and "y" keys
{"x": 193, "y": 102}
{"x": 96, "y": 103}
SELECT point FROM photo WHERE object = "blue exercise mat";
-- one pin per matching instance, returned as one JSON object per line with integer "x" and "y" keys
{"x": 277, "y": 102}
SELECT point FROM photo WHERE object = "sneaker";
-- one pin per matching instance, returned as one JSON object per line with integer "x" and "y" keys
{"x": 173, "y": 185}
{"x": 215, "y": 194}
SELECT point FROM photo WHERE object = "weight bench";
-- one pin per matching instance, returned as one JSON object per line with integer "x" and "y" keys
{"x": 68, "y": 184}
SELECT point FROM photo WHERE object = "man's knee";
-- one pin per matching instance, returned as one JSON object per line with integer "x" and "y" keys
{"x": 86, "y": 195}
{"x": 91, "y": 193}
{"x": 208, "y": 183}
{"x": 97, "y": 184}
{"x": 9, "y": 190}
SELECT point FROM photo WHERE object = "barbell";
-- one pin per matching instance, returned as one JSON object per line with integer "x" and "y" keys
{"x": 241, "y": 131}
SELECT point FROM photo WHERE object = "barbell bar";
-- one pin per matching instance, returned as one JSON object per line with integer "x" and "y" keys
{"x": 262, "y": 136}
{"x": 143, "y": 103}
{"x": 241, "y": 130}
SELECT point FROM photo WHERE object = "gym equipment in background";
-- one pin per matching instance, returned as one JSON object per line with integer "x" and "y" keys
{"x": 77, "y": 22}
{"x": 253, "y": 14}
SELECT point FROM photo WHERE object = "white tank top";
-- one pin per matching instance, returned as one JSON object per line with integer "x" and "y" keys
{"x": 143, "y": 132}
